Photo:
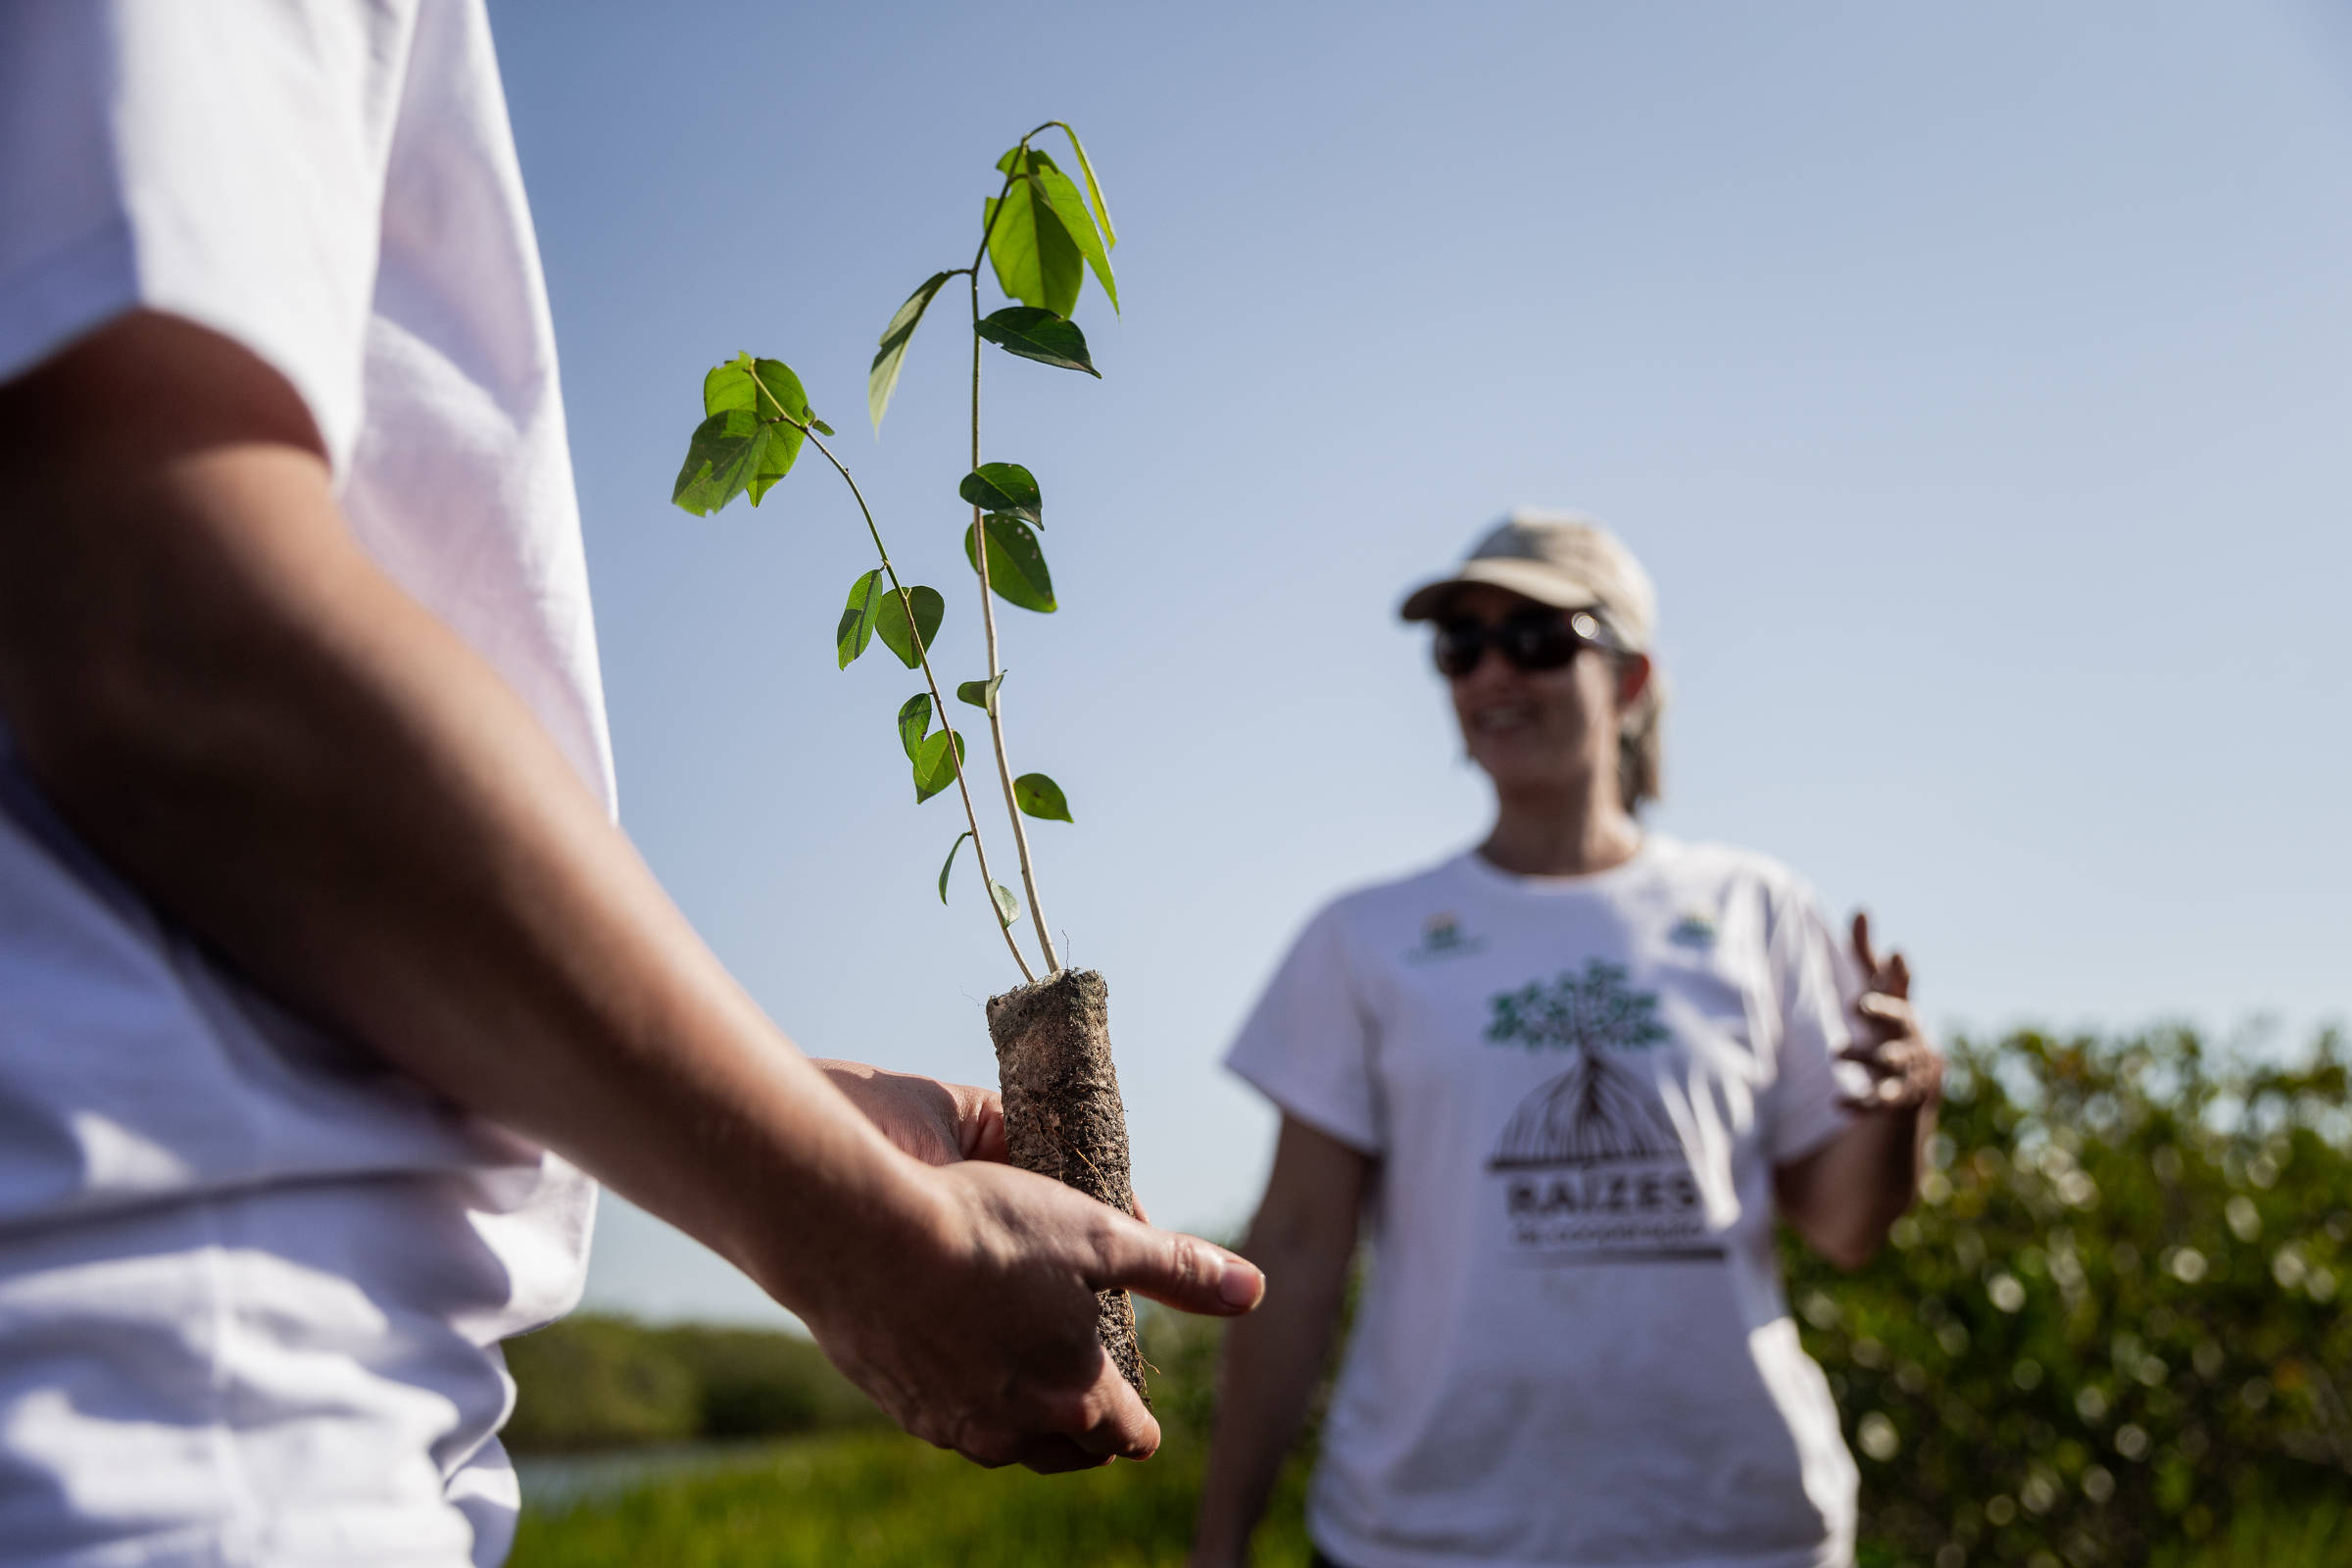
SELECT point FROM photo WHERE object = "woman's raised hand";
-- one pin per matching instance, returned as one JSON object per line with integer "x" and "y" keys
{"x": 1906, "y": 1069}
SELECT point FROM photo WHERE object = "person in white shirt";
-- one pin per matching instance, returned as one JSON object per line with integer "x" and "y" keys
{"x": 1563, "y": 1080}
{"x": 325, "y": 976}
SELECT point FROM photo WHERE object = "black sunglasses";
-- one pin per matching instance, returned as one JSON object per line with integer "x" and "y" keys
{"x": 1532, "y": 640}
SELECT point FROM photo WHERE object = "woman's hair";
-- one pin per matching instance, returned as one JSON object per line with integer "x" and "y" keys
{"x": 1642, "y": 745}
{"x": 1641, "y": 737}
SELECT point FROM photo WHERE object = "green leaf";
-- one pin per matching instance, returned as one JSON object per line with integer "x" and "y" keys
{"x": 883, "y": 378}
{"x": 820, "y": 426}
{"x": 1037, "y": 262}
{"x": 1008, "y": 907}
{"x": 935, "y": 763}
{"x": 773, "y": 461}
{"x": 765, "y": 387}
{"x": 732, "y": 453}
{"x": 729, "y": 386}
{"x": 719, "y": 462}
{"x": 1094, "y": 186}
{"x": 890, "y": 623}
{"x": 915, "y": 722}
{"x": 1040, "y": 797}
{"x": 1039, "y": 335}
{"x": 748, "y": 436}
{"x": 1061, "y": 194}
{"x": 982, "y": 694}
{"x": 950, "y": 864}
{"x": 1017, "y": 567}
{"x": 856, "y": 628}
{"x": 1003, "y": 487}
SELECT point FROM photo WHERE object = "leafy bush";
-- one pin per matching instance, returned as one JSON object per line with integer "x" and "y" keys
{"x": 2111, "y": 1324}
{"x": 591, "y": 1382}
{"x": 756, "y": 1384}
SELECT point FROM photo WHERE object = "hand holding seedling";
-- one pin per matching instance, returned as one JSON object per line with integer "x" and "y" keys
{"x": 983, "y": 1335}
{"x": 1039, "y": 235}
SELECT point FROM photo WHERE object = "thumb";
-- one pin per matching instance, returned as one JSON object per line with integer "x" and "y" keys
{"x": 979, "y": 1122}
{"x": 1183, "y": 1272}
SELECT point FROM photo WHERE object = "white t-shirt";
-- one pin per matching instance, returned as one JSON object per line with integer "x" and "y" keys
{"x": 1572, "y": 1347}
{"x": 187, "y": 1170}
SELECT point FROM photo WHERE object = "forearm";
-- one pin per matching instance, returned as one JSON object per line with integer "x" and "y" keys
{"x": 1846, "y": 1196}
{"x": 1271, "y": 1363}
{"x": 284, "y": 751}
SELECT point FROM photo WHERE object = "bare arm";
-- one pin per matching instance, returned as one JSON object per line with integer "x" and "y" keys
{"x": 1304, "y": 1235}
{"x": 289, "y": 755}
{"x": 1845, "y": 1196}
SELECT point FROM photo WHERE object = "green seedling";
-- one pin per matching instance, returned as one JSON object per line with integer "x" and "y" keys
{"x": 1041, "y": 234}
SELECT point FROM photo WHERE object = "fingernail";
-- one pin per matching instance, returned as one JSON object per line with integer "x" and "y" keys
{"x": 1239, "y": 1285}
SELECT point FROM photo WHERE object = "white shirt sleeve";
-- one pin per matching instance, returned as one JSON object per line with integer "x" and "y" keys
{"x": 221, "y": 163}
{"x": 1309, "y": 1045}
{"x": 1816, "y": 987}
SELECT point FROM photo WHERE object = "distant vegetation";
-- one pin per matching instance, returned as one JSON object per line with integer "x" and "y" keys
{"x": 2112, "y": 1332}
{"x": 591, "y": 1382}
{"x": 878, "y": 1498}
{"x": 884, "y": 1500}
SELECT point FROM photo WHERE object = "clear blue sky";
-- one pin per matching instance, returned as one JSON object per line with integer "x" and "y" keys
{"x": 1975, "y": 381}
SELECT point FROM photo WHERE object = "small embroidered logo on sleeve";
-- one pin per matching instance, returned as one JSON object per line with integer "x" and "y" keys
{"x": 1694, "y": 930}
{"x": 1443, "y": 937}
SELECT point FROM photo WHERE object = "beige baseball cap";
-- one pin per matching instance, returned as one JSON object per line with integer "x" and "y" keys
{"x": 1562, "y": 559}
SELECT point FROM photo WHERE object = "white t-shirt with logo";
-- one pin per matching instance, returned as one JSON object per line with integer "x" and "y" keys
{"x": 1572, "y": 1347}
{"x": 251, "y": 1280}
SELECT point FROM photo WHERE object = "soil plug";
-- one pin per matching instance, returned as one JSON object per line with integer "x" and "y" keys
{"x": 1062, "y": 1113}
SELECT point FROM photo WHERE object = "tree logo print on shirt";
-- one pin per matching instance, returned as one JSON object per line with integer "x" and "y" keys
{"x": 1596, "y": 1110}
{"x": 1620, "y": 1188}
{"x": 1594, "y": 1011}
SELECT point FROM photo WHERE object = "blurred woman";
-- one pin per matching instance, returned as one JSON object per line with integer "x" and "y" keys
{"x": 1565, "y": 1079}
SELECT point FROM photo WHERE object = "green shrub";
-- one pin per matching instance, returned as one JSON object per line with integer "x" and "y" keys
{"x": 752, "y": 1383}
{"x": 596, "y": 1382}
{"x": 2111, "y": 1324}
{"x": 593, "y": 1382}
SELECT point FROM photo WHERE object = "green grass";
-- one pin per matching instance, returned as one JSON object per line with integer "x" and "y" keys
{"x": 882, "y": 1499}
{"x": 879, "y": 1500}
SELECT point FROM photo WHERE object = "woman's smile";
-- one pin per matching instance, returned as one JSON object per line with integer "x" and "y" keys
{"x": 1499, "y": 718}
